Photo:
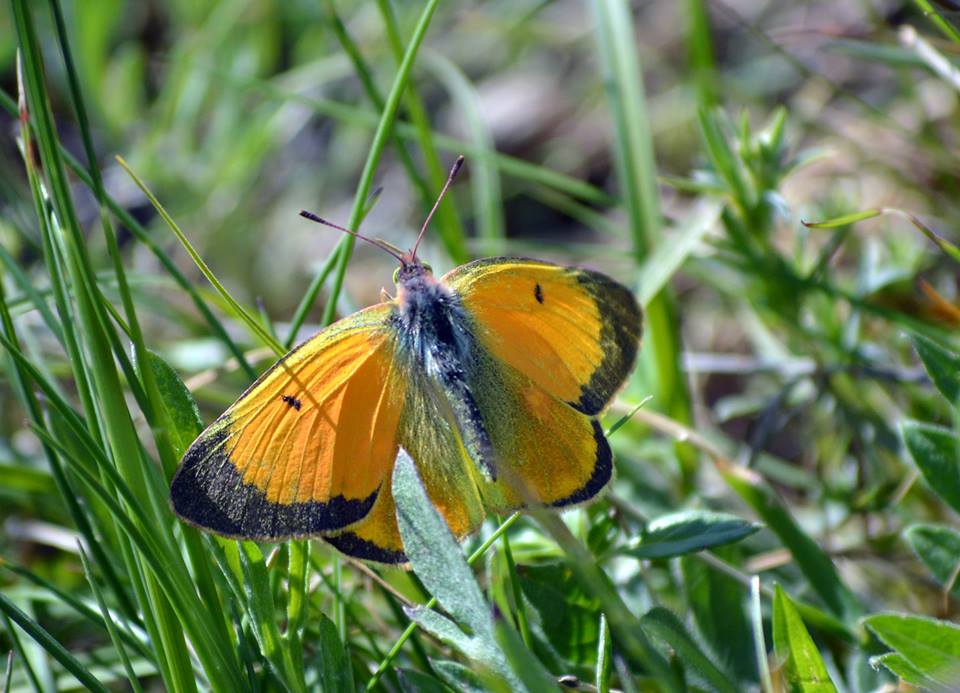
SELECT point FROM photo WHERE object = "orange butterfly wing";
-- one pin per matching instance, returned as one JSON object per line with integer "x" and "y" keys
{"x": 429, "y": 433}
{"x": 574, "y": 332}
{"x": 306, "y": 449}
{"x": 558, "y": 343}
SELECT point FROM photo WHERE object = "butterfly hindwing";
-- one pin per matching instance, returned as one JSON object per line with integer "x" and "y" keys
{"x": 428, "y": 432}
{"x": 547, "y": 452}
{"x": 553, "y": 344}
{"x": 306, "y": 449}
{"x": 574, "y": 332}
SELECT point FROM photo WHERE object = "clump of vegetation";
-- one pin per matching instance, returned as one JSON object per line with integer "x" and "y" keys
{"x": 779, "y": 184}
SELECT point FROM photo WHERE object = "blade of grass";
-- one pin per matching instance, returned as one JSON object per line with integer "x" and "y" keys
{"x": 700, "y": 52}
{"x": 239, "y": 312}
{"x": 521, "y": 613}
{"x": 303, "y": 308}
{"x": 33, "y": 296}
{"x": 130, "y": 632}
{"x": 110, "y": 408}
{"x": 759, "y": 643}
{"x": 484, "y": 177}
{"x": 151, "y": 403}
{"x": 77, "y": 513}
{"x": 176, "y": 584}
{"x": 360, "y": 117}
{"x": 376, "y": 99}
{"x": 448, "y": 219}
{"x": 108, "y": 622}
{"x": 8, "y": 674}
{"x": 17, "y": 646}
{"x": 380, "y": 137}
{"x": 41, "y": 636}
{"x": 637, "y": 178}
{"x": 931, "y": 13}
{"x": 623, "y": 624}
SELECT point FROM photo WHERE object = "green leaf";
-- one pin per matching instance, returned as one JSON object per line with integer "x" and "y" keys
{"x": 939, "y": 549}
{"x": 331, "y": 660}
{"x": 803, "y": 667}
{"x": 434, "y": 553}
{"x": 906, "y": 671}
{"x": 717, "y": 602}
{"x": 689, "y": 531}
{"x": 931, "y": 647}
{"x": 181, "y": 407}
{"x": 663, "y": 624}
{"x": 261, "y": 612}
{"x": 936, "y": 450}
{"x": 942, "y": 365}
{"x": 437, "y": 560}
{"x": 569, "y": 616}
{"x": 413, "y": 681}
{"x": 813, "y": 562}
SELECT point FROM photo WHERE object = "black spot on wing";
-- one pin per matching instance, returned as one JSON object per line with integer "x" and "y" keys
{"x": 292, "y": 401}
{"x": 208, "y": 491}
{"x": 352, "y": 545}
{"x": 538, "y": 293}
{"x": 602, "y": 472}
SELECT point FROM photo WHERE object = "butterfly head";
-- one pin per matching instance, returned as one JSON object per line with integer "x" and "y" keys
{"x": 413, "y": 278}
{"x": 411, "y": 269}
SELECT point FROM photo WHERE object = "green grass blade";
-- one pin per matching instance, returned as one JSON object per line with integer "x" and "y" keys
{"x": 759, "y": 643}
{"x": 380, "y": 138}
{"x": 25, "y": 372}
{"x": 130, "y": 632}
{"x": 108, "y": 622}
{"x": 637, "y": 180}
{"x": 51, "y": 645}
{"x": 664, "y": 624}
{"x": 303, "y": 308}
{"x": 803, "y": 667}
{"x": 447, "y": 217}
{"x": 484, "y": 177}
{"x": 700, "y": 52}
{"x": 941, "y": 23}
{"x": 813, "y": 562}
{"x": 376, "y": 99}
{"x": 239, "y": 312}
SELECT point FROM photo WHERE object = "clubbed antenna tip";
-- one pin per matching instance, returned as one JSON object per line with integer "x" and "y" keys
{"x": 454, "y": 170}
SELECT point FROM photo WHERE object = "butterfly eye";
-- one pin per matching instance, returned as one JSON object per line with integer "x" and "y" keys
{"x": 396, "y": 275}
{"x": 427, "y": 267}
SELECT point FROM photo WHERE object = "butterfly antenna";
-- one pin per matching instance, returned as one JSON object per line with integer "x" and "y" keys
{"x": 372, "y": 241}
{"x": 455, "y": 169}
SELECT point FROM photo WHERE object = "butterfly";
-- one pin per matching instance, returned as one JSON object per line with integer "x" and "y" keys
{"x": 491, "y": 378}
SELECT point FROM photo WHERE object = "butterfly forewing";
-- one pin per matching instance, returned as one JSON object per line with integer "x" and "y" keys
{"x": 306, "y": 449}
{"x": 574, "y": 332}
